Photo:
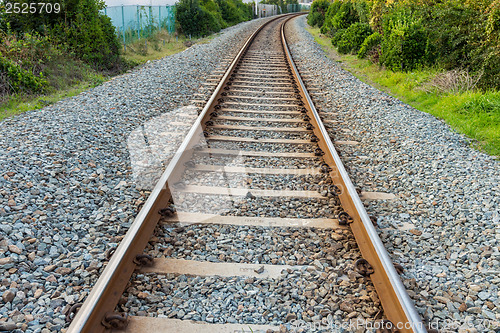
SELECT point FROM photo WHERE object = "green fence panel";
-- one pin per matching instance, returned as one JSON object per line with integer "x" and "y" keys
{"x": 135, "y": 22}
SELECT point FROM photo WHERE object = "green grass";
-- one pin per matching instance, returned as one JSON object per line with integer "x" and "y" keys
{"x": 68, "y": 77}
{"x": 473, "y": 113}
{"x": 162, "y": 44}
{"x": 18, "y": 104}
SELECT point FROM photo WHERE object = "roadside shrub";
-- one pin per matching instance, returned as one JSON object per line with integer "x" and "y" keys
{"x": 353, "y": 37}
{"x": 369, "y": 44}
{"x": 22, "y": 60}
{"x": 490, "y": 55}
{"x": 404, "y": 50}
{"x": 334, "y": 7}
{"x": 404, "y": 44}
{"x": 345, "y": 16}
{"x": 91, "y": 36}
{"x": 79, "y": 28}
{"x": 234, "y": 11}
{"x": 315, "y": 19}
{"x": 337, "y": 36}
{"x": 201, "y": 18}
{"x": 195, "y": 20}
{"x": 216, "y": 20}
{"x": 316, "y": 16}
{"x": 17, "y": 79}
{"x": 362, "y": 9}
{"x": 452, "y": 33}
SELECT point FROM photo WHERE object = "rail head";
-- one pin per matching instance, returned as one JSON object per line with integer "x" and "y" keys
{"x": 107, "y": 291}
{"x": 398, "y": 306}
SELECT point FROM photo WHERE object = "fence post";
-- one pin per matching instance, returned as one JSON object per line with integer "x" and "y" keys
{"x": 151, "y": 18}
{"x": 138, "y": 24}
{"x": 123, "y": 26}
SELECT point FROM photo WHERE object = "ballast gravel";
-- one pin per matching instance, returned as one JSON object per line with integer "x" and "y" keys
{"x": 323, "y": 287}
{"x": 67, "y": 191}
{"x": 258, "y": 161}
{"x": 444, "y": 225}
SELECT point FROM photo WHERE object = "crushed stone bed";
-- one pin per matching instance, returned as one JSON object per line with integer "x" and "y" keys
{"x": 444, "y": 228}
{"x": 66, "y": 185}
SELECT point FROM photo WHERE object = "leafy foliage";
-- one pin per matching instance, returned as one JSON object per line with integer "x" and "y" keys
{"x": 91, "y": 36}
{"x": 340, "y": 15}
{"x": 330, "y": 14}
{"x": 21, "y": 61}
{"x": 79, "y": 28}
{"x": 369, "y": 44}
{"x": 352, "y": 38}
{"x": 200, "y": 18}
{"x": 281, "y": 3}
{"x": 316, "y": 16}
{"x": 337, "y": 36}
{"x": 445, "y": 34}
{"x": 234, "y": 12}
{"x": 405, "y": 42}
{"x": 345, "y": 16}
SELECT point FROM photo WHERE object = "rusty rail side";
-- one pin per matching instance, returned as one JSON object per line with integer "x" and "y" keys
{"x": 398, "y": 306}
{"x": 107, "y": 291}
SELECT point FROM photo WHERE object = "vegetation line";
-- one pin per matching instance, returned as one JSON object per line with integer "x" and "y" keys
{"x": 48, "y": 56}
{"x": 474, "y": 113}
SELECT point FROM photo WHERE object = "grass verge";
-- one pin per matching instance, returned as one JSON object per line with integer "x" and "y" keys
{"x": 473, "y": 113}
{"x": 162, "y": 44}
{"x": 66, "y": 77}
{"x": 69, "y": 77}
{"x": 18, "y": 104}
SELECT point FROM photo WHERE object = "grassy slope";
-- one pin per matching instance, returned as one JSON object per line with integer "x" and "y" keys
{"x": 68, "y": 77}
{"x": 161, "y": 45}
{"x": 475, "y": 114}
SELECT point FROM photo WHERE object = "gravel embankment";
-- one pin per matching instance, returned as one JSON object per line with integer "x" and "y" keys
{"x": 444, "y": 226}
{"x": 324, "y": 285}
{"x": 66, "y": 183}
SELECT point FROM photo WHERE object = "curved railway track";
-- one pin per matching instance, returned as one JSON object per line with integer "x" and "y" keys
{"x": 255, "y": 211}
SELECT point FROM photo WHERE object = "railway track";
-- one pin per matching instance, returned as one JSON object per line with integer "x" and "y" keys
{"x": 254, "y": 226}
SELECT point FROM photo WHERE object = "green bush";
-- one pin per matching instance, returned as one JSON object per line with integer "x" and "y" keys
{"x": 345, "y": 16}
{"x": 487, "y": 58}
{"x": 369, "y": 44}
{"x": 445, "y": 34}
{"x": 316, "y": 16}
{"x": 194, "y": 19}
{"x": 201, "y": 18}
{"x": 352, "y": 38}
{"x": 315, "y": 19}
{"x": 405, "y": 43}
{"x": 217, "y": 22}
{"x": 234, "y": 11}
{"x": 451, "y": 33}
{"x": 79, "y": 28}
{"x": 92, "y": 37}
{"x": 19, "y": 79}
{"x": 404, "y": 50}
{"x": 334, "y": 7}
{"x": 337, "y": 36}
{"x": 22, "y": 60}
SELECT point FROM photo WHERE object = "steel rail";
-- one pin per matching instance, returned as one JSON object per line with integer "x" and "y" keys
{"x": 107, "y": 291}
{"x": 398, "y": 307}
